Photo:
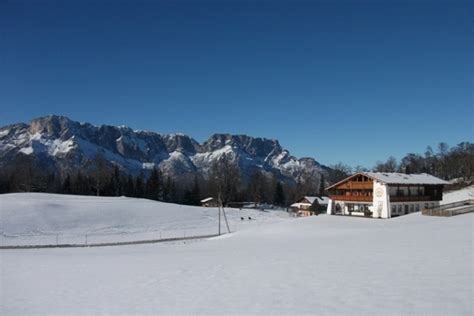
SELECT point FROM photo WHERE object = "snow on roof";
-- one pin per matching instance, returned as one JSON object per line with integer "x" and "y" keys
{"x": 299, "y": 205}
{"x": 323, "y": 199}
{"x": 207, "y": 199}
{"x": 396, "y": 178}
{"x": 401, "y": 178}
{"x": 311, "y": 199}
{"x": 320, "y": 199}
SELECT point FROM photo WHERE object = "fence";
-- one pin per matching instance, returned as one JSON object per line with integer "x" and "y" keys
{"x": 106, "y": 244}
{"x": 450, "y": 209}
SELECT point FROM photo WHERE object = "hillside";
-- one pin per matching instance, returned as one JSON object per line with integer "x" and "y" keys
{"x": 318, "y": 265}
{"x": 458, "y": 195}
{"x": 38, "y": 218}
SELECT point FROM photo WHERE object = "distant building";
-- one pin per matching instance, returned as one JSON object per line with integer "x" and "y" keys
{"x": 303, "y": 206}
{"x": 209, "y": 202}
{"x": 242, "y": 205}
{"x": 384, "y": 195}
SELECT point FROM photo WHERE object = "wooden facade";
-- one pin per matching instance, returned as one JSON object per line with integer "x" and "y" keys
{"x": 384, "y": 195}
{"x": 359, "y": 188}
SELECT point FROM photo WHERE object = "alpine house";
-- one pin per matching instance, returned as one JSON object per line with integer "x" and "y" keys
{"x": 384, "y": 195}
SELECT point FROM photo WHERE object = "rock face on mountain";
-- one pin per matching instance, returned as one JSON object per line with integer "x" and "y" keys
{"x": 58, "y": 142}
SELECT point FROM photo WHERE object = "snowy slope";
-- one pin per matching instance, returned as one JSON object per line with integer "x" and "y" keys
{"x": 458, "y": 195}
{"x": 37, "y": 218}
{"x": 318, "y": 265}
{"x": 330, "y": 265}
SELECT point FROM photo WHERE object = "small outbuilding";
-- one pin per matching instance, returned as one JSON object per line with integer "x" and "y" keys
{"x": 308, "y": 205}
{"x": 209, "y": 202}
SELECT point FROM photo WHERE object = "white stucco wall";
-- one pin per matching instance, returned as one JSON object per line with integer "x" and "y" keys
{"x": 329, "y": 209}
{"x": 380, "y": 206}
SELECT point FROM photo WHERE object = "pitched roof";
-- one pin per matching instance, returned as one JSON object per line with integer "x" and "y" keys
{"x": 323, "y": 199}
{"x": 397, "y": 178}
{"x": 320, "y": 199}
{"x": 311, "y": 199}
{"x": 298, "y": 205}
{"x": 401, "y": 178}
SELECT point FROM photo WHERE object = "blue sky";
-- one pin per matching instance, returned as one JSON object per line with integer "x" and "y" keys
{"x": 350, "y": 81}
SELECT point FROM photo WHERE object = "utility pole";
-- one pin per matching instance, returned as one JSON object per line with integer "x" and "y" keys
{"x": 219, "y": 213}
{"x": 226, "y": 222}
{"x": 225, "y": 216}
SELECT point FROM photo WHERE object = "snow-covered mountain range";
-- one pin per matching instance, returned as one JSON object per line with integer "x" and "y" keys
{"x": 58, "y": 142}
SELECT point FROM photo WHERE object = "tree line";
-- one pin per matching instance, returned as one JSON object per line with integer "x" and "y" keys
{"x": 445, "y": 162}
{"x": 224, "y": 179}
{"x": 101, "y": 178}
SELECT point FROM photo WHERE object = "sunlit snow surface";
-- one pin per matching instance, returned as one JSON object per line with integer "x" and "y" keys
{"x": 38, "y": 219}
{"x": 330, "y": 265}
{"x": 458, "y": 195}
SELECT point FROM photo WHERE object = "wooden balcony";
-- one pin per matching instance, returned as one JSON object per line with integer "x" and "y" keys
{"x": 355, "y": 185}
{"x": 353, "y": 198}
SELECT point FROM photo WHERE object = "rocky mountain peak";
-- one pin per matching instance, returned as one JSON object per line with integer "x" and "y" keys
{"x": 254, "y": 146}
{"x": 51, "y": 125}
{"x": 68, "y": 145}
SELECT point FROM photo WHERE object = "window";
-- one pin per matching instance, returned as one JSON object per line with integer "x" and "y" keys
{"x": 394, "y": 209}
{"x": 400, "y": 209}
{"x": 417, "y": 208}
{"x": 412, "y": 208}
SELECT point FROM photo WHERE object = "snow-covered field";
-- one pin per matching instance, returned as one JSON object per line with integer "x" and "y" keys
{"x": 38, "y": 219}
{"x": 330, "y": 265}
{"x": 459, "y": 195}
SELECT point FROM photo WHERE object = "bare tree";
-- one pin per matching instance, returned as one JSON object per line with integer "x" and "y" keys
{"x": 339, "y": 172}
{"x": 390, "y": 165}
{"x": 100, "y": 172}
{"x": 225, "y": 178}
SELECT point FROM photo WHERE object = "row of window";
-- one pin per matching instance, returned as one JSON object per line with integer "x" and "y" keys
{"x": 354, "y": 192}
{"x": 405, "y": 209}
{"x": 408, "y": 208}
{"x": 358, "y": 207}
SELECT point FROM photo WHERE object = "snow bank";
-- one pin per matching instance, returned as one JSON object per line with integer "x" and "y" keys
{"x": 330, "y": 265}
{"x": 318, "y": 265}
{"x": 459, "y": 195}
{"x": 38, "y": 218}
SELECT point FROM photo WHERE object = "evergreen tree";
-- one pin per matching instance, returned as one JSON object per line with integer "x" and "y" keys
{"x": 152, "y": 187}
{"x": 167, "y": 190}
{"x": 139, "y": 186}
{"x": 116, "y": 182}
{"x": 129, "y": 186}
{"x": 279, "y": 198}
{"x": 173, "y": 193}
{"x": 322, "y": 184}
{"x": 51, "y": 183}
{"x": 67, "y": 187}
{"x": 82, "y": 184}
{"x": 193, "y": 196}
{"x": 100, "y": 173}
